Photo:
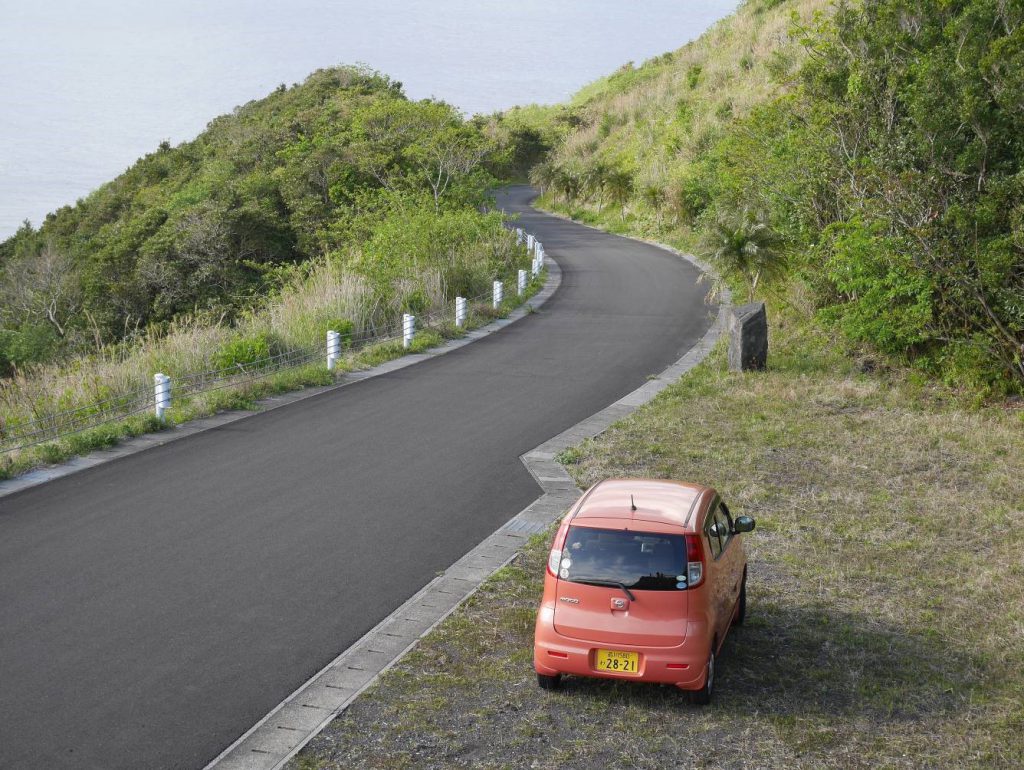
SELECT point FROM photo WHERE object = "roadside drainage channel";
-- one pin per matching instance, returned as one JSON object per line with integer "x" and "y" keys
{"x": 149, "y": 440}
{"x": 282, "y": 733}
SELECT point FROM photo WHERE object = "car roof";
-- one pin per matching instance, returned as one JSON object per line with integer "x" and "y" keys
{"x": 657, "y": 500}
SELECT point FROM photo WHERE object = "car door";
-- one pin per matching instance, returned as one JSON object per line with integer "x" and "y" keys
{"x": 718, "y": 572}
{"x": 732, "y": 563}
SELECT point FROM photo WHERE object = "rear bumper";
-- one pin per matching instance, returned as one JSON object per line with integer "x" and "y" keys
{"x": 682, "y": 666}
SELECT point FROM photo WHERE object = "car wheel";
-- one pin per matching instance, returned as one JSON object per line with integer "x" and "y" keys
{"x": 702, "y": 697}
{"x": 549, "y": 682}
{"x": 741, "y": 605}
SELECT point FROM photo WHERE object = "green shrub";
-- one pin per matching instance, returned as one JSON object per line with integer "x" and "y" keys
{"x": 29, "y": 345}
{"x": 687, "y": 198}
{"x": 344, "y": 327}
{"x": 884, "y": 299}
{"x": 244, "y": 351}
{"x": 416, "y": 302}
{"x": 973, "y": 364}
{"x": 780, "y": 65}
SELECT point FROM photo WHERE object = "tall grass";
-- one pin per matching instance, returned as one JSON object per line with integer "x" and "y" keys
{"x": 655, "y": 121}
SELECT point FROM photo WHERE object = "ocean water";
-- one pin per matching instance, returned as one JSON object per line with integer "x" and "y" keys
{"x": 87, "y": 86}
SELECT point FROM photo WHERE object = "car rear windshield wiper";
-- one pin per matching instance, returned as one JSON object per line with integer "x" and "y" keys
{"x": 608, "y": 583}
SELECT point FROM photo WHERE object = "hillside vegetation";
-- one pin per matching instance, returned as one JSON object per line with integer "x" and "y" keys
{"x": 859, "y": 162}
{"x": 340, "y": 169}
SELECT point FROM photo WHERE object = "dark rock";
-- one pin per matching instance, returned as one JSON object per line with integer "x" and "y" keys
{"x": 748, "y": 337}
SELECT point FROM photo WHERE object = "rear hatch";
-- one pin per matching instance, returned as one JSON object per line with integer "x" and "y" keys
{"x": 622, "y": 587}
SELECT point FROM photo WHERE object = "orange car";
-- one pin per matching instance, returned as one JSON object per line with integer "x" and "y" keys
{"x": 643, "y": 582}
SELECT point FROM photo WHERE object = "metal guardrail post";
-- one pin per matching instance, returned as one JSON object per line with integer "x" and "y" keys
{"x": 521, "y": 283}
{"x": 408, "y": 329}
{"x": 333, "y": 349}
{"x": 460, "y": 312}
{"x": 161, "y": 394}
{"x": 499, "y": 291}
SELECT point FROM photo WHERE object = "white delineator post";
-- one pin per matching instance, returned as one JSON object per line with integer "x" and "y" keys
{"x": 520, "y": 235}
{"x": 161, "y": 394}
{"x": 499, "y": 291}
{"x": 521, "y": 283}
{"x": 408, "y": 329}
{"x": 530, "y": 240}
{"x": 460, "y": 312}
{"x": 333, "y": 349}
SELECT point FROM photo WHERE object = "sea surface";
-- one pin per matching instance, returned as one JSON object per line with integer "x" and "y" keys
{"x": 88, "y": 86}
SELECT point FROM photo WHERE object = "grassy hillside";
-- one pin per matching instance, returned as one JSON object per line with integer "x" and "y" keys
{"x": 651, "y": 124}
{"x": 863, "y": 163}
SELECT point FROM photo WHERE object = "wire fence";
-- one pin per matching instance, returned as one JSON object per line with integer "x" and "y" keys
{"x": 24, "y": 434}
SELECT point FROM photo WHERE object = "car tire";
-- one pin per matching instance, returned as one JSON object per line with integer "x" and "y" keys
{"x": 741, "y": 604}
{"x": 702, "y": 697}
{"x": 549, "y": 682}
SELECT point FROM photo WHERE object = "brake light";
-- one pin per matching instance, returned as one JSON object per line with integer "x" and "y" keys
{"x": 554, "y": 558}
{"x": 694, "y": 561}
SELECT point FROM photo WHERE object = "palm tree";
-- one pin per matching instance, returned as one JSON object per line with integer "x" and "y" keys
{"x": 594, "y": 177}
{"x": 654, "y": 196}
{"x": 747, "y": 247}
{"x": 619, "y": 186}
{"x": 544, "y": 176}
{"x": 569, "y": 183}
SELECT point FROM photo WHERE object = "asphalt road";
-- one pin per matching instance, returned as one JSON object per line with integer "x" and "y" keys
{"x": 153, "y": 608}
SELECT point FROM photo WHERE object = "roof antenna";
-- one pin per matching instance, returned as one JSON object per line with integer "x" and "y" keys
{"x": 632, "y": 505}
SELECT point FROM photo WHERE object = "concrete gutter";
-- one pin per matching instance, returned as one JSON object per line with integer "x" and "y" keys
{"x": 282, "y": 733}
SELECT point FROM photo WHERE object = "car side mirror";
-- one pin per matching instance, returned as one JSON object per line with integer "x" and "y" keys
{"x": 744, "y": 524}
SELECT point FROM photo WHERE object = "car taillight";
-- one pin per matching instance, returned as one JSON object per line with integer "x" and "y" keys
{"x": 554, "y": 558}
{"x": 694, "y": 561}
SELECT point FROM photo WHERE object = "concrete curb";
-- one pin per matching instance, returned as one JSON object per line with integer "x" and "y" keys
{"x": 280, "y": 735}
{"x": 149, "y": 440}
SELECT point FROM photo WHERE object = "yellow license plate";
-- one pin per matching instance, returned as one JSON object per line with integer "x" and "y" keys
{"x": 617, "y": 660}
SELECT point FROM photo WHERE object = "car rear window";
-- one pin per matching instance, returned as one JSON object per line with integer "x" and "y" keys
{"x": 646, "y": 561}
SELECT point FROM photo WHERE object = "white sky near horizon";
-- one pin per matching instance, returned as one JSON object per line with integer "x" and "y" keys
{"x": 87, "y": 87}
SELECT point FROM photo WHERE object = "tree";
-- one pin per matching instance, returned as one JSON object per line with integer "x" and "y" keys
{"x": 745, "y": 247}
{"x": 569, "y": 183}
{"x": 544, "y": 176}
{"x": 426, "y": 143}
{"x": 654, "y": 196}
{"x": 42, "y": 287}
{"x": 595, "y": 177}
{"x": 619, "y": 186}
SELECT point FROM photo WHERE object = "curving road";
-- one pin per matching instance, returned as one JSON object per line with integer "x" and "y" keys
{"x": 153, "y": 608}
